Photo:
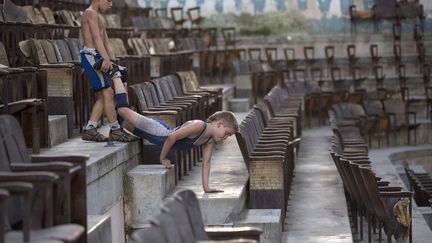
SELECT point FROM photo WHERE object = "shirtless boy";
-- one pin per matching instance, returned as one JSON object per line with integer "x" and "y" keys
{"x": 96, "y": 47}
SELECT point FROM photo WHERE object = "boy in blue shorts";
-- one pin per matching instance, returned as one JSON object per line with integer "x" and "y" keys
{"x": 97, "y": 47}
{"x": 194, "y": 133}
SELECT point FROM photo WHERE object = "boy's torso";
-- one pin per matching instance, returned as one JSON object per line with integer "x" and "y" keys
{"x": 86, "y": 33}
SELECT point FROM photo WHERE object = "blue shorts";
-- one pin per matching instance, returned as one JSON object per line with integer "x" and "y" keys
{"x": 98, "y": 80}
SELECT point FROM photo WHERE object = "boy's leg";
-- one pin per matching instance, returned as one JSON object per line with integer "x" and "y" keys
{"x": 122, "y": 105}
{"x": 118, "y": 133}
{"x": 98, "y": 82}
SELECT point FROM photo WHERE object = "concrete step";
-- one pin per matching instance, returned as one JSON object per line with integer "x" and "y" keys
{"x": 105, "y": 170}
{"x": 57, "y": 130}
{"x": 268, "y": 220}
{"x": 239, "y": 104}
{"x": 145, "y": 187}
{"x": 227, "y": 93}
{"x": 99, "y": 228}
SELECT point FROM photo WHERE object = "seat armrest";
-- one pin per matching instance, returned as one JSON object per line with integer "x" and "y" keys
{"x": 73, "y": 158}
{"x": 43, "y": 166}
{"x": 221, "y": 233}
{"x": 34, "y": 176}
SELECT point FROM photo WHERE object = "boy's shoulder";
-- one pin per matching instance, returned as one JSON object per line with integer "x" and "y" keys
{"x": 89, "y": 13}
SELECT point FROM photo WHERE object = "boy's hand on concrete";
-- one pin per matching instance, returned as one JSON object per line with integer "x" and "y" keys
{"x": 166, "y": 163}
{"x": 106, "y": 65}
{"x": 212, "y": 190}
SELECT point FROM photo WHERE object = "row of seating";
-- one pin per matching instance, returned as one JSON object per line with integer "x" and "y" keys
{"x": 368, "y": 196}
{"x": 43, "y": 198}
{"x": 268, "y": 138}
{"x": 376, "y": 119}
{"x": 387, "y": 9}
{"x": 420, "y": 184}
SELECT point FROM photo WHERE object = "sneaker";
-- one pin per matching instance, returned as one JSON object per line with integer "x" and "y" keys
{"x": 93, "y": 135}
{"x": 121, "y": 135}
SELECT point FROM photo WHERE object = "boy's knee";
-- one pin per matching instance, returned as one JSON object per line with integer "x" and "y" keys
{"x": 108, "y": 92}
{"x": 121, "y": 100}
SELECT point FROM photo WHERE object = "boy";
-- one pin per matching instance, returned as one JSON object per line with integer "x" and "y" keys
{"x": 96, "y": 47}
{"x": 218, "y": 127}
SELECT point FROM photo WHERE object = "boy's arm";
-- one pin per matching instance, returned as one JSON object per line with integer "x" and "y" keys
{"x": 207, "y": 154}
{"x": 183, "y": 132}
{"x": 93, "y": 22}
{"x": 107, "y": 44}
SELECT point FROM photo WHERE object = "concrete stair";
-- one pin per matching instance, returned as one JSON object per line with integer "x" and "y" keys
{"x": 145, "y": 187}
{"x": 239, "y": 104}
{"x": 57, "y": 130}
{"x": 99, "y": 229}
{"x": 268, "y": 220}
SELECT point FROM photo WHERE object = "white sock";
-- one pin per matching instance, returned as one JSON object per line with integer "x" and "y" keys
{"x": 114, "y": 125}
{"x": 90, "y": 125}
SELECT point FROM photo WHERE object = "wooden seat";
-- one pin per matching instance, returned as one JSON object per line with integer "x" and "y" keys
{"x": 24, "y": 94}
{"x": 401, "y": 118}
{"x": 25, "y": 191}
{"x": 194, "y": 15}
{"x": 42, "y": 54}
{"x": 70, "y": 199}
{"x": 177, "y": 16}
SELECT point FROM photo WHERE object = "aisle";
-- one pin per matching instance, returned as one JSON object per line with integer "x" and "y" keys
{"x": 317, "y": 209}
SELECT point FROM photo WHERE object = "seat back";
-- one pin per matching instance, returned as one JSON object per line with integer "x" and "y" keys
{"x": 148, "y": 234}
{"x": 191, "y": 203}
{"x": 12, "y": 146}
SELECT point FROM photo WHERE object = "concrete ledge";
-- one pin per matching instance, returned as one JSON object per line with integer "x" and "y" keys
{"x": 239, "y": 104}
{"x": 227, "y": 93}
{"x": 145, "y": 187}
{"x": 105, "y": 169}
{"x": 269, "y": 220}
{"x": 57, "y": 130}
{"x": 99, "y": 228}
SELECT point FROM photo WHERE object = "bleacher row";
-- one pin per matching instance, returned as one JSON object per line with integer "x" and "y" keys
{"x": 368, "y": 196}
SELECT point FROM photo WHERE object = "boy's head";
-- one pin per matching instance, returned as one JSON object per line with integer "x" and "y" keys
{"x": 103, "y": 5}
{"x": 225, "y": 123}
{"x": 226, "y": 117}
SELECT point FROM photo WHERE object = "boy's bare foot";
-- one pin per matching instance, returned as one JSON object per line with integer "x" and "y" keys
{"x": 166, "y": 163}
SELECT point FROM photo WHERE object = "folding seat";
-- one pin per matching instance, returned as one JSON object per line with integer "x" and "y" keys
{"x": 267, "y": 170}
{"x": 358, "y": 15}
{"x": 375, "y": 57}
{"x": 194, "y": 15}
{"x": 70, "y": 191}
{"x": 27, "y": 192}
{"x": 309, "y": 58}
{"x": 358, "y": 93}
{"x": 351, "y": 54}
{"x": 42, "y": 54}
{"x": 382, "y": 200}
{"x": 138, "y": 66}
{"x": 340, "y": 85}
{"x": 229, "y": 37}
{"x": 23, "y": 92}
{"x": 378, "y": 123}
{"x": 383, "y": 9}
{"x": 190, "y": 84}
{"x": 177, "y": 16}
{"x": 401, "y": 118}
